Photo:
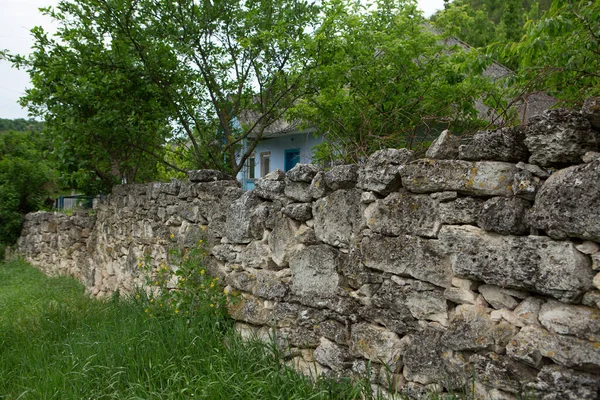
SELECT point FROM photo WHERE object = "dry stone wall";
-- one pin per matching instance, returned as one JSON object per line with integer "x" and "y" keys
{"x": 477, "y": 266}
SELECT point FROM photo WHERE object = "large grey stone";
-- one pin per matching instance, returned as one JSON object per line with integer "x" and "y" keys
{"x": 423, "y": 358}
{"x": 580, "y": 321}
{"x": 408, "y": 256}
{"x": 282, "y": 241}
{"x": 472, "y": 329}
{"x": 559, "y": 138}
{"x": 337, "y": 217}
{"x": 558, "y": 383}
{"x": 404, "y": 213}
{"x": 591, "y": 111}
{"x": 381, "y": 172}
{"x": 464, "y": 210}
{"x": 497, "y": 299}
{"x": 569, "y": 203}
{"x": 504, "y": 215}
{"x": 531, "y": 262}
{"x": 297, "y": 191}
{"x": 444, "y": 147}
{"x": 485, "y": 178}
{"x": 505, "y": 144}
{"x": 271, "y": 186}
{"x": 249, "y": 309}
{"x": 332, "y": 355}
{"x": 533, "y": 343}
{"x": 502, "y": 372}
{"x": 342, "y": 177}
{"x": 302, "y": 173}
{"x": 298, "y": 211}
{"x": 378, "y": 345}
{"x": 314, "y": 271}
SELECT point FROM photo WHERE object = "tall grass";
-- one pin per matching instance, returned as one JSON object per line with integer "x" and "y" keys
{"x": 57, "y": 343}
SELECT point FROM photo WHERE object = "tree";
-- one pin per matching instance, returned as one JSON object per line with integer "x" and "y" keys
{"x": 26, "y": 179}
{"x": 123, "y": 77}
{"x": 560, "y": 53}
{"x": 387, "y": 80}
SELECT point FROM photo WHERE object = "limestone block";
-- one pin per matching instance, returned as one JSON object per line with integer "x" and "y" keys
{"x": 526, "y": 185}
{"x": 318, "y": 188}
{"x": 404, "y": 213}
{"x": 591, "y": 299}
{"x": 381, "y": 172}
{"x": 444, "y": 147}
{"x": 591, "y": 111}
{"x": 465, "y": 283}
{"x": 580, "y": 321}
{"x": 332, "y": 355}
{"x": 314, "y": 271}
{"x": 208, "y": 175}
{"x": 282, "y": 242}
{"x": 302, "y": 173}
{"x": 378, "y": 345}
{"x": 529, "y": 310}
{"x": 504, "y": 215}
{"x": 342, "y": 177}
{"x": 472, "y": 329}
{"x": 428, "y": 305}
{"x": 464, "y": 210}
{"x": 485, "y": 178}
{"x": 423, "y": 360}
{"x": 518, "y": 262}
{"x": 298, "y": 211}
{"x": 555, "y": 382}
{"x": 269, "y": 189}
{"x": 502, "y": 372}
{"x": 532, "y": 343}
{"x": 559, "y": 138}
{"x": 505, "y": 144}
{"x": 249, "y": 309}
{"x": 242, "y": 218}
{"x": 337, "y": 217}
{"x": 257, "y": 255}
{"x": 297, "y": 191}
{"x": 497, "y": 299}
{"x": 460, "y": 295}
{"x": 269, "y": 285}
{"x": 408, "y": 256}
{"x": 568, "y": 205}
{"x": 588, "y": 247}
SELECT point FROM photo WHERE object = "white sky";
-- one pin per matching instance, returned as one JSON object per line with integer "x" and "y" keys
{"x": 17, "y": 17}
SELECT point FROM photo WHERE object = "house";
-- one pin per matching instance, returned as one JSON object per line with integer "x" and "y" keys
{"x": 284, "y": 145}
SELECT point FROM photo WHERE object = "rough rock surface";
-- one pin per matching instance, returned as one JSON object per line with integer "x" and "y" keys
{"x": 504, "y": 144}
{"x": 519, "y": 262}
{"x": 504, "y": 215}
{"x": 381, "y": 173}
{"x": 485, "y": 178}
{"x": 464, "y": 210}
{"x": 208, "y": 175}
{"x": 302, "y": 173}
{"x": 591, "y": 111}
{"x": 337, "y": 217}
{"x": 582, "y": 322}
{"x": 342, "y": 177}
{"x": 568, "y": 204}
{"x": 559, "y": 137}
{"x": 404, "y": 213}
{"x": 444, "y": 147}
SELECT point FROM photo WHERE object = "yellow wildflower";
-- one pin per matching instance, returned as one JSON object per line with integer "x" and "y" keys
{"x": 200, "y": 241}
{"x": 203, "y": 227}
{"x": 146, "y": 310}
{"x": 212, "y": 305}
{"x": 137, "y": 296}
{"x": 176, "y": 311}
{"x": 151, "y": 300}
{"x": 182, "y": 279}
{"x": 201, "y": 272}
{"x": 212, "y": 284}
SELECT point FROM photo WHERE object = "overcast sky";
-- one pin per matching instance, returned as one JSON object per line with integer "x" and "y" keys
{"x": 17, "y": 17}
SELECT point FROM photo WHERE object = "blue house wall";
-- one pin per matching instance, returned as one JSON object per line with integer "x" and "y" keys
{"x": 277, "y": 146}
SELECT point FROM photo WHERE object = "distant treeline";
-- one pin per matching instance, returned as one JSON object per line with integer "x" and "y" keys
{"x": 20, "y": 125}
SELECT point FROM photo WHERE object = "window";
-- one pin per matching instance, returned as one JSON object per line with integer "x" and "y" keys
{"x": 265, "y": 163}
{"x": 250, "y": 164}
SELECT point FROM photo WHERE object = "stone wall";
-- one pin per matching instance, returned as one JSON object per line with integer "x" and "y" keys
{"x": 480, "y": 260}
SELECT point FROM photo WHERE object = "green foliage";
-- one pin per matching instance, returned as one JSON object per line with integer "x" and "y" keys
{"x": 20, "y": 125}
{"x": 386, "y": 80}
{"x": 182, "y": 286}
{"x": 121, "y": 79}
{"x": 57, "y": 343}
{"x": 560, "y": 53}
{"x": 26, "y": 179}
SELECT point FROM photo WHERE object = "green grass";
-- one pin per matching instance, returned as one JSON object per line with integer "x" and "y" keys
{"x": 56, "y": 343}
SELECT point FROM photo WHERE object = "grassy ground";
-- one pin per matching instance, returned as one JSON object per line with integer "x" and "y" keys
{"x": 56, "y": 343}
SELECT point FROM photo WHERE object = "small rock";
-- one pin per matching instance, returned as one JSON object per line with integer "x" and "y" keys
{"x": 493, "y": 295}
{"x": 444, "y": 147}
{"x": 465, "y": 283}
{"x": 590, "y": 156}
{"x": 460, "y": 295}
{"x": 588, "y": 247}
{"x": 591, "y": 111}
{"x": 342, "y": 177}
{"x": 302, "y": 173}
{"x": 580, "y": 321}
{"x": 444, "y": 196}
{"x": 504, "y": 215}
{"x": 533, "y": 169}
{"x": 208, "y": 175}
{"x": 591, "y": 299}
